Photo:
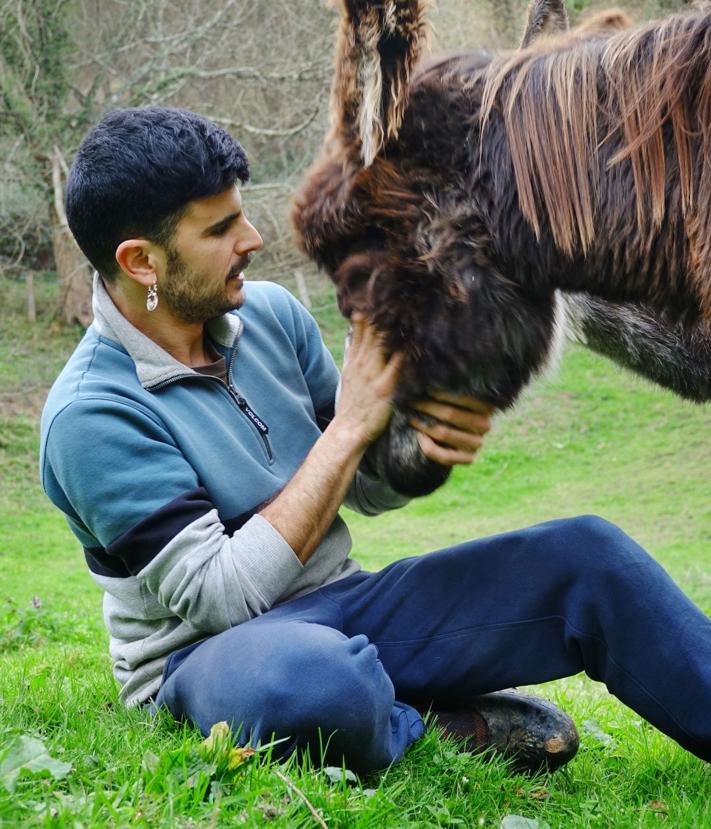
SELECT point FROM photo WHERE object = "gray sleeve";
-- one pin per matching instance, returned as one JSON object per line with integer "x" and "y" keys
{"x": 214, "y": 581}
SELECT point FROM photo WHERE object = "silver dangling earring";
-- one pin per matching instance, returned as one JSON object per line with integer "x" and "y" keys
{"x": 152, "y": 298}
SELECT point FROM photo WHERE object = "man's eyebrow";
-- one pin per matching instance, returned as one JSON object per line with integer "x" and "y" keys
{"x": 227, "y": 220}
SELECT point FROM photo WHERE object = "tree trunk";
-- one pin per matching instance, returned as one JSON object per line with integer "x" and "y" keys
{"x": 73, "y": 270}
{"x": 302, "y": 288}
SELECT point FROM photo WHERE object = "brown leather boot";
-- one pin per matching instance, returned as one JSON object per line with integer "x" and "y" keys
{"x": 531, "y": 732}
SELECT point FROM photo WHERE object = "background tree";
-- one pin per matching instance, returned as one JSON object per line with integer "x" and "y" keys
{"x": 35, "y": 83}
{"x": 63, "y": 63}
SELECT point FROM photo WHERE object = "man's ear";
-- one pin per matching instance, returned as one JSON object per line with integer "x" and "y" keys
{"x": 140, "y": 260}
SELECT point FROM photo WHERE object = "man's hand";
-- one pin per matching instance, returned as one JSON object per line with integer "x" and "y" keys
{"x": 368, "y": 382}
{"x": 458, "y": 434}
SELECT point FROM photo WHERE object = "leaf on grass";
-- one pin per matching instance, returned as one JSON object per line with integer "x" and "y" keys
{"x": 237, "y": 756}
{"x": 537, "y": 793}
{"x": 659, "y": 807}
{"x": 336, "y": 774}
{"x": 75, "y": 804}
{"x": 151, "y": 761}
{"x": 204, "y": 768}
{"x": 219, "y": 733}
{"x": 28, "y": 754}
{"x": 592, "y": 728}
{"x": 443, "y": 816}
{"x": 219, "y": 745}
{"x": 520, "y": 822}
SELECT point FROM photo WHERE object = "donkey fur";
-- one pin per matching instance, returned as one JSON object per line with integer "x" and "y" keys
{"x": 455, "y": 210}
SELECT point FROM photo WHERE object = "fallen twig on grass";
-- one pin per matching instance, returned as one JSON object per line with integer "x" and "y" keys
{"x": 293, "y": 787}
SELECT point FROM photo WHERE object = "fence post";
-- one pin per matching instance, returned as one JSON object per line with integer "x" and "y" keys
{"x": 302, "y": 289}
{"x": 31, "y": 305}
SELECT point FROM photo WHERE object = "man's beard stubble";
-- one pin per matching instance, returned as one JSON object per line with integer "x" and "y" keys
{"x": 181, "y": 292}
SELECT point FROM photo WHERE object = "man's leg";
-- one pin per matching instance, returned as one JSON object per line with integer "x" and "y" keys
{"x": 283, "y": 675}
{"x": 535, "y": 605}
{"x": 291, "y": 674}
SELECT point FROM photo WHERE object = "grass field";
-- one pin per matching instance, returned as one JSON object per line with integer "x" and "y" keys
{"x": 591, "y": 439}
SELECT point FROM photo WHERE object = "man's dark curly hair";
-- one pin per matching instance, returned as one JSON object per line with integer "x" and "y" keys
{"x": 135, "y": 173}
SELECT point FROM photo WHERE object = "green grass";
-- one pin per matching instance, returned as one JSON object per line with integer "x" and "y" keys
{"x": 592, "y": 439}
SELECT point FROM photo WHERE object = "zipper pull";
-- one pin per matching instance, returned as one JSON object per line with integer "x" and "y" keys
{"x": 252, "y": 415}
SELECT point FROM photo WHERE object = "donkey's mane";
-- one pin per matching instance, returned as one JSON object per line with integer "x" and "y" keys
{"x": 565, "y": 100}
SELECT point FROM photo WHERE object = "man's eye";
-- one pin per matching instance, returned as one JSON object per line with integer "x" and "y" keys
{"x": 220, "y": 231}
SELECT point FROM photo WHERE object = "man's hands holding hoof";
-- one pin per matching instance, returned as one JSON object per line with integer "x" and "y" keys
{"x": 453, "y": 427}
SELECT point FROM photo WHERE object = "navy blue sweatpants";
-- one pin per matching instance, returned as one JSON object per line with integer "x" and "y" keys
{"x": 348, "y": 661}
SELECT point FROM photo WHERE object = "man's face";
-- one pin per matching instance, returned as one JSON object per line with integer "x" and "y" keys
{"x": 206, "y": 257}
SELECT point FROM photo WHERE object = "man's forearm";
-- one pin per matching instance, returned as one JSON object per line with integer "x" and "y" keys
{"x": 306, "y": 507}
{"x": 304, "y": 510}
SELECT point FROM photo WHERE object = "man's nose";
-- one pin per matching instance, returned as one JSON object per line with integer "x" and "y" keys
{"x": 249, "y": 241}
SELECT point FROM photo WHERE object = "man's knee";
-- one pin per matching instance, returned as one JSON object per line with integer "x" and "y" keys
{"x": 294, "y": 680}
{"x": 599, "y": 566}
{"x": 326, "y": 681}
{"x": 594, "y": 544}
{"x": 298, "y": 679}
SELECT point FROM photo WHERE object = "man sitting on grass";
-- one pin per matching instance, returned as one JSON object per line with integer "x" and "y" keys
{"x": 192, "y": 442}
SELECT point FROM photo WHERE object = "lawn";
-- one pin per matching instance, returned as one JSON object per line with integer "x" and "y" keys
{"x": 589, "y": 439}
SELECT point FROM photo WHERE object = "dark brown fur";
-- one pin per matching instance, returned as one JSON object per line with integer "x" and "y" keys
{"x": 579, "y": 164}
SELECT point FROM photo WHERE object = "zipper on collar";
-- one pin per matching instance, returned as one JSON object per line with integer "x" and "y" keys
{"x": 241, "y": 402}
{"x": 252, "y": 416}
{"x": 244, "y": 406}
{"x": 169, "y": 382}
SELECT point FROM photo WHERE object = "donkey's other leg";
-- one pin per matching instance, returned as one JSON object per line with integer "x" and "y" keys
{"x": 544, "y": 17}
{"x": 675, "y": 356}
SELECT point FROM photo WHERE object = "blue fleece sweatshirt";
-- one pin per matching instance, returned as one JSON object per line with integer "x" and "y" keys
{"x": 161, "y": 472}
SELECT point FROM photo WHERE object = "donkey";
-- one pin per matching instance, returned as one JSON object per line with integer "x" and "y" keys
{"x": 455, "y": 199}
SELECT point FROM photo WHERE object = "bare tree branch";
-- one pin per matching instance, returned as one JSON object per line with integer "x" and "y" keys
{"x": 284, "y": 133}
